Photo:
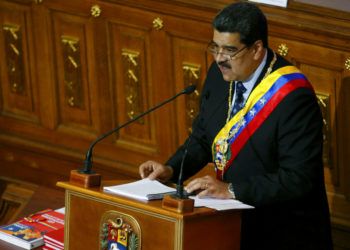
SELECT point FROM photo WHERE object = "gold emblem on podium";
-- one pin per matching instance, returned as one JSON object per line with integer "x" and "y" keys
{"x": 119, "y": 231}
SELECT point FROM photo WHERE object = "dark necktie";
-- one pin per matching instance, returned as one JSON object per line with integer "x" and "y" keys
{"x": 239, "y": 100}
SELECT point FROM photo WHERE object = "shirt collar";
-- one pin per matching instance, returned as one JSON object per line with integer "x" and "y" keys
{"x": 250, "y": 82}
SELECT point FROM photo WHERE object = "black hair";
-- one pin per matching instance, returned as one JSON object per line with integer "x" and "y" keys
{"x": 244, "y": 18}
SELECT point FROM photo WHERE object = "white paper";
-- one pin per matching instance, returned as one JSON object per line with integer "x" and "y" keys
{"x": 147, "y": 189}
{"x": 61, "y": 210}
{"x": 281, "y": 3}
{"x": 219, "y": 204}
{"x": 144, "y": 189}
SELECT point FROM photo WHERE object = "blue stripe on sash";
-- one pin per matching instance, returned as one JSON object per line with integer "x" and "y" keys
{"x": 249, "y": 116}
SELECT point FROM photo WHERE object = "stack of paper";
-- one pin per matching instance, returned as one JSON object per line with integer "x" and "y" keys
{"x": 144, "y": 189}
{"x": 147, "y": 189}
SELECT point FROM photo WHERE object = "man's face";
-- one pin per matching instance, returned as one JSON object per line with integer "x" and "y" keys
{"x": 235, "y": 60}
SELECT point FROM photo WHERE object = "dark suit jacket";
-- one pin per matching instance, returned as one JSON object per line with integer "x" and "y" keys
{"x": 279, "y": 170}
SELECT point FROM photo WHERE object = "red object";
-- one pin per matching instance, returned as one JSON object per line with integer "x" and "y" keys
{"x": 55, "y": 238}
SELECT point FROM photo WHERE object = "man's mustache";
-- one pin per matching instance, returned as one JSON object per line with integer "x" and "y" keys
{"x": 224, "y": 64}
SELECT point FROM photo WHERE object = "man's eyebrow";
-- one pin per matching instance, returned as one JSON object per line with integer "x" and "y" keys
{"x": 231, "y": 47}
{"x": 228, "y": 47}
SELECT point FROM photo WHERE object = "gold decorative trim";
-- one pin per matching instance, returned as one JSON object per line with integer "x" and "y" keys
{"x": 72, "y": 72}
{"x": 283, "y": 49}
{"x": 14, "y": 58}
{"x": 95, "y": 10}
{"x": 179, "y": 237}
{"x": 158, "y": 23}
{"x": 132, "y": 69}
{"x": 347, "y": 63}
{"x": 191, "y": 76}
{"x": 323, "y": 101}
{"x": 67, "y": 201}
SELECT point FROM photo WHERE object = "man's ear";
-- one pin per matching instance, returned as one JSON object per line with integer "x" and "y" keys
{"x": 258, "y": 49}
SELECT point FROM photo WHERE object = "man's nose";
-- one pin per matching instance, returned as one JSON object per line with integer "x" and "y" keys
{"x": 220, "y": 56}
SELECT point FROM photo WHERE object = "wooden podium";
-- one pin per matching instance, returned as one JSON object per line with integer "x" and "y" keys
{"x": 161, "y": 229}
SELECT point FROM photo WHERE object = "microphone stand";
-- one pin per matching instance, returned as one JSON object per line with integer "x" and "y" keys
{"x": 86, "y": 176}
{"x": 179, "y": 202}
{"x": 180, "y": 183}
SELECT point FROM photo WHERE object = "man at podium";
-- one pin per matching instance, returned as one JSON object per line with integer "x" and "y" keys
{"x": 260, "y": 124}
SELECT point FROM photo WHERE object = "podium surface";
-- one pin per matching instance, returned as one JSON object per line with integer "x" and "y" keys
{"x": 204, "y": 228}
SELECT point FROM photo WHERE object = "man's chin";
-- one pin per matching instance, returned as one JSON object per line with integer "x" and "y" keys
{"x": 228, "y": 78}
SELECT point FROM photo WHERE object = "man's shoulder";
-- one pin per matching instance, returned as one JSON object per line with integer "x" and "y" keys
{"x": 281, "y": 62}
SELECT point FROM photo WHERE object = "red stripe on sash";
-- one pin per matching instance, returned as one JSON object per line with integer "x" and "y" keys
{"x": 256, "y": 122}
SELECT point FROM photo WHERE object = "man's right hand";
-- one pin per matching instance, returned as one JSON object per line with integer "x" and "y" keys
{"x": 155, "y": 171}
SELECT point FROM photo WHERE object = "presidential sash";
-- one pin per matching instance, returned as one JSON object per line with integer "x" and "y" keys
{"x": 264, "y": 98}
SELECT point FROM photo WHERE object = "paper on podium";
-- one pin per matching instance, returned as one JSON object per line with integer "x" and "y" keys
{"x": 147, "y": 189}
{"x": 219, "y": 204}
{"x": 144, "y": 189}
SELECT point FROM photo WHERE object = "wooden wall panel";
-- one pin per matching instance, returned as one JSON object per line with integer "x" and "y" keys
{"x": 135, "y": 86}
{"x": 18, "y": 88}
{"x": 187, "y": 42}
{"x": 190, "y": 66}
{"x": 131, "y": 51}
{"x": 76, "y": 93}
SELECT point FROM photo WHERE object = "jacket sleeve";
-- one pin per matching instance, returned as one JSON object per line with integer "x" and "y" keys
{"x": 198, "y": 144}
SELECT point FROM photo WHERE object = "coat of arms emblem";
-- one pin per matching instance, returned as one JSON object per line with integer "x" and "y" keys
{"x": 119, "y": 231}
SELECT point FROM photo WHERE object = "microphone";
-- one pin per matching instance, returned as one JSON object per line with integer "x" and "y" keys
{"x": 179, "y": 201}
{"x": 87, "y": 169}
{"x": 180, "y": 193}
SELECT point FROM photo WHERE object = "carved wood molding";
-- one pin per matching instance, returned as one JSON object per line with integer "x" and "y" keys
{"x": 14, "y": 58}
{"x": 323, "y": 102}
{"x": 131, "y": 68}
{"x": 72, "y": 72}
{"x": 191, "y": 73}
